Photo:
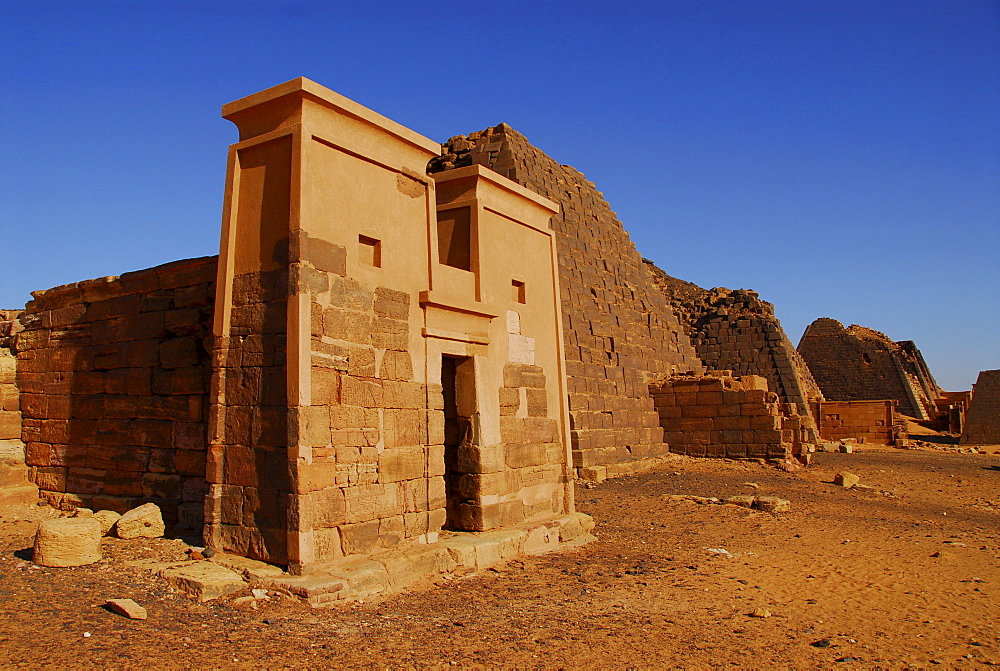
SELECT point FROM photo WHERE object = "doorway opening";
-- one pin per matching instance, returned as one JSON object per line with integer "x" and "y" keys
{"x": 458, "y": 380}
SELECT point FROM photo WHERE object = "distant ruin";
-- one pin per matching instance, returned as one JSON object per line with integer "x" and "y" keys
{"x": 982, "y": 422}
{"x": 862, "y": 364}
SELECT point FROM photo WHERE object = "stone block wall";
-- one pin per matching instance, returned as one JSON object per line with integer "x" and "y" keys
{"x": 858, "y": 363}
{"x": 618, "y": 328}
{"x": 10, "y": 408}
{"x": 726, "y": 417}
{"x": 15, "y": 487}
{"x": 864, "y": 421}
{"x": 376, "y": 434}
{"x": 982, "y": 421}
{"x": 247, "y": 469}
{"x": 737, "y": 331}
{"x": 113, "y": 377}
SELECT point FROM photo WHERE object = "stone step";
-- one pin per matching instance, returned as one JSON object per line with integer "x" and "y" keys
{"x": 393, "y": 570}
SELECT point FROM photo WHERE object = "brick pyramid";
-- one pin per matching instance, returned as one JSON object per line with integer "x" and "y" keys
{"x": 618, "y": 328}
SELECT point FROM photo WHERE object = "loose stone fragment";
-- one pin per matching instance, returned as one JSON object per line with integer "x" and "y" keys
{"x": 744, "y": 501}
{"x": 846, "y": 480}
{"x": 142, "y": 522}
{"x": 761, "y": 612}
{"x": 128, "y": 608}
{"x": 69, "y": 541}
{"x": 772, "y": 504}
{"x": 82, "y": 512}
{"x": 107, "y": 519}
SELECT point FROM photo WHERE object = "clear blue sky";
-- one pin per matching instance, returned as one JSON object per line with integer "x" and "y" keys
{"x": 841, "y": 158}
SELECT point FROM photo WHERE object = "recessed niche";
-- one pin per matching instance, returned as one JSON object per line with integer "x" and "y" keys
{"x": 370, "y": 251}
{"x": 455, "y": 238}
{"x": 517, "y": 291}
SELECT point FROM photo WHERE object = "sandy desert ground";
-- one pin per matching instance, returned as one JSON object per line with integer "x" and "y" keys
{"x": 902, "y": 573}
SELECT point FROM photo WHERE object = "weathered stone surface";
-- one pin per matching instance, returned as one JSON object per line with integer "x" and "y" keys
{"x": 71, "y": 541}
{"x": 737, "y": 331}
{"x": 409, "y": 565}
{"x": 146, "y": 521}
{"x": 128, "y": 608}
{"x": 204, "y": 579}
{"x": 113, "y": 375}
{"x": 251, "y": 569}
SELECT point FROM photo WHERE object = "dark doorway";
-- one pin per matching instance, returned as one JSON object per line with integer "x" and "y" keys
{"x": 458, "y": 379}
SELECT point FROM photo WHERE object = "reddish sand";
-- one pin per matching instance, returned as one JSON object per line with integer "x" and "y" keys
{"x": 903, "y": 573}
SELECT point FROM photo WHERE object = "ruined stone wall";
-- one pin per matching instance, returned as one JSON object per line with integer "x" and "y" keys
{"x": 113, "y": 377}
{"x": 982, "y": 421}
{"x": 618, "y": 328}
{"x": 864, "y": 421}
{"x": 858, "y": 363}
{"x": 15, "y": 486}
{"x": 736, "y": 418}
{"x": 10, "y": 413}
{"x": 737, "y": 331}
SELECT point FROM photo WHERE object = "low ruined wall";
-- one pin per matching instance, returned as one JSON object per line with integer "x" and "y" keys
{"x": 113, "y": 375}
{"x": 10, "y": 414}
{"x": 14, "y": 484}
{"x": 735, "y": 418}
{"x": 865, "y": 421}
{"x": 982, "y": 421}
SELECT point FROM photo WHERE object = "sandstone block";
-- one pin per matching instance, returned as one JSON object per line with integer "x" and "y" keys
{"x": 744, "y": 501}
{"x": 72, "y": 541}
{"x": 251, "y": 569}
{"x": 128, "y": 608}
{"x": 362, "y": 576}
{"x": 772, "y": 504}
{"x": 203, "y": 579}
{"x": 846, "y": 480}
{"x": 146, "y": 521}
{"x": 411, "y": 564}
{"x": 359, "y": 538}
{"x": 107, "y": 519}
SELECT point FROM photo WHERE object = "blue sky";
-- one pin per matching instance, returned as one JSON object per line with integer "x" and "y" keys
{"x": 841, "y": 158}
